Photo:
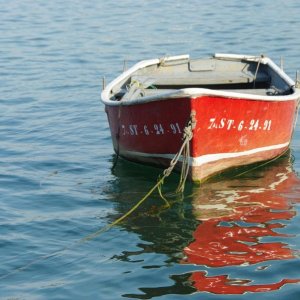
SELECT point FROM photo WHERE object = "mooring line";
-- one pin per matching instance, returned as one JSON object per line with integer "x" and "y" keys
{"x": 183, "y": 151}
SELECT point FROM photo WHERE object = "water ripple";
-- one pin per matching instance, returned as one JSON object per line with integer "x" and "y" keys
{"x": 57, "y": 185}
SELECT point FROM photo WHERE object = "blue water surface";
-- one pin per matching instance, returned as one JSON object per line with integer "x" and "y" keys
{"x": 57, "y": 185}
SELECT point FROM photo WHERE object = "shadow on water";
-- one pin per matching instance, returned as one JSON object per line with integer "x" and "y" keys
{"x": 233, "y": 230}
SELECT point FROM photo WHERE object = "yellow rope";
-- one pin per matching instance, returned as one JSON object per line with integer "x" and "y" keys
{"x": 262, "y": 165}
{"x": 183, "y": 151}
{"x": 107, "y": 227}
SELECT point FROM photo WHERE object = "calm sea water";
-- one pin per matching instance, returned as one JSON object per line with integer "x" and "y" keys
{"x": 58, "y": 189}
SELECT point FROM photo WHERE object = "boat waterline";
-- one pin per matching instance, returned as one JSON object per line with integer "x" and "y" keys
{"x": 204, "y": 159}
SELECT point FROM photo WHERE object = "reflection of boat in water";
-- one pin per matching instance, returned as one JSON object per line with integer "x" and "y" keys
{"x": 237, "y": 215}
{"x": 223, "y": 285}
{"x": 226, "y": 238}
{"x": 259, "y": 187}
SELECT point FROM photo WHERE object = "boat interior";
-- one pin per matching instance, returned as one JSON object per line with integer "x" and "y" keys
{"x": 240, "y": 76}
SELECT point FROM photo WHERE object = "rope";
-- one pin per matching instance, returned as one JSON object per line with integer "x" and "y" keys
{"x": 107, "y": 227}
{"x": 183, "y": 151}
{"x": 262, "y": 164}
{"x": 138, "y": 85}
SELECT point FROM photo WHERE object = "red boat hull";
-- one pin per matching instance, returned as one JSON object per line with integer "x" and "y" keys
{"x": 229, "y": 132}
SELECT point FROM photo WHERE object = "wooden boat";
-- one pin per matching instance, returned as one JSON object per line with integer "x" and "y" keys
{"x": 243, "y": 108}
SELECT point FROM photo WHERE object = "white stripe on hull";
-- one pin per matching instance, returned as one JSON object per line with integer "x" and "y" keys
{"x": 204, "y": 159}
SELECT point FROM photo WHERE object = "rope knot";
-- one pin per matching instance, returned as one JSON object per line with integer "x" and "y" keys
{"x": 168, "y": 171}
{"x": 187, "y": 133}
